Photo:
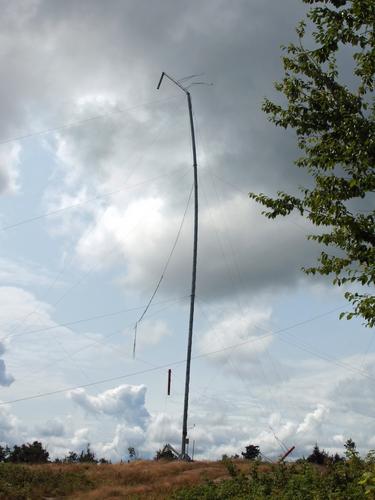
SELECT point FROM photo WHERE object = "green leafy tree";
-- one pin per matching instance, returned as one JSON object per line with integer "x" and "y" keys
{"x": 335, "y": 128}
{"x": 368, "y": 481}
{"x": 370, "y": 457}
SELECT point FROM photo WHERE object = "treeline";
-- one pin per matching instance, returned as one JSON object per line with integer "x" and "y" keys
{"x": 317, "y": 456}
{"x": 318, "y": 477}
{"x": 35, "y": 453}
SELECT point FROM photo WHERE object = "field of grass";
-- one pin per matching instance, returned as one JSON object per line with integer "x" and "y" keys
{"x": 187, "y": 481}
{"x": 140, "y": 479}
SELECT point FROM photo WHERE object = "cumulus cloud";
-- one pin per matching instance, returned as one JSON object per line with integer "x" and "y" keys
{"x": 313, "y": 420}
{"x": 125, "y": 401}
{"x": 281, "y": 433}
{"x": 140, "y": 429}
{"x": 124, "y": 437}
{"x": 163, "y": 428}
{"x": 272, "y": 433}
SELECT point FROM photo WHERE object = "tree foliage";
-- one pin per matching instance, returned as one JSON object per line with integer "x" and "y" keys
{"x": 86, "y": 456}
{"x": 318, "y": 456}
{"x": 35, "y": 453}
{"x": 251, "y": 452}
{"x": 351, "y": 449}
{"x": 335, "y": 127}
{"x": 71, "y": 458}
{"x": 29, "y": 453}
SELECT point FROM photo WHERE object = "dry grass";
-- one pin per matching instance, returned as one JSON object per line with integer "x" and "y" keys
{"x": 160, "y": 480}
{"x": 136, "y": 480}
{"x": 148, "y": 479}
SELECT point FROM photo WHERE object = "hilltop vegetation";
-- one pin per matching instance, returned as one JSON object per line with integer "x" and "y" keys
{"x": 349, "y": 480}
{"x": 238, "y": 479}
{"x": 139, "y": 479}
{"x": 318, "y": 477}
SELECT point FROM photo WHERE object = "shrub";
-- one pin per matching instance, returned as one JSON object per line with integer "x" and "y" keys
{"x": 303, "y": 481}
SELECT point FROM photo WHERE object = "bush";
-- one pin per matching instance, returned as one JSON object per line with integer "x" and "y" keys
{"x": 231, "y": 468}
{"x": 304, "y": 481}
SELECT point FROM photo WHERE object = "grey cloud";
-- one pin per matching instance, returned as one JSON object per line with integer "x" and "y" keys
{"x": 9, "y": 163}
{"x": 356, "y": 393}
{"x": 239, "y": 253}
{"x": 4, "y": 180}
{"x": 238, "y": 49}
{"x": 5, "y": 378}
{"x": 51, "y": 428}
{"x": 59, "y": 52}
{"x": 123, "y": 47}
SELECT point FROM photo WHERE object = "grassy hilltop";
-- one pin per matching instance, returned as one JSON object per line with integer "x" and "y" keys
{"x": 234, "y": 479}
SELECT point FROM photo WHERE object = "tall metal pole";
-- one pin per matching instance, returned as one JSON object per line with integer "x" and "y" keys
{"x": 194, "y": 270}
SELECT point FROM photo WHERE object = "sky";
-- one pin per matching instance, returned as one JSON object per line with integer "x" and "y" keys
{"x": 95, "y": 193}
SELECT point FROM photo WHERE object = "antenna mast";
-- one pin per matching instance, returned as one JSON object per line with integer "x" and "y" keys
{"x": 184, "y": 455}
